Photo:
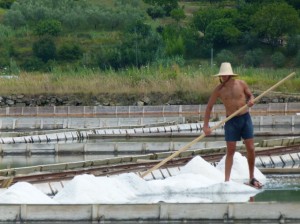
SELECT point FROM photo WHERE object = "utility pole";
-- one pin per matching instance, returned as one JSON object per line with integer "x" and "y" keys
{"x": 211, "y": 57}
{"x": 136, "y": 56}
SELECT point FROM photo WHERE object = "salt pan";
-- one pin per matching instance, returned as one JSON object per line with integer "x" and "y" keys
{"x": 198, "y": 181}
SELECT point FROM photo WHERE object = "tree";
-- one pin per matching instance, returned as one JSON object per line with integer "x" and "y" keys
{"x": 249, "y": 40}
{"x": 6, "y": 3}
{"x": 183, "y": 41}
{"x": 245, "y": 11}
{"x": 167, "y": 5}
{"x": 156, "y": 12}
{"x": 273, "y": 21}
{"x": 139, "y": 28}
{"x": 94, "y": 18}
{"x": 48, "y": 27}
{"x": 14, "y": 19}
{"x": 192, "y": 42}
{"x": 178, "y": 14}
{"x": 44, "y": 49}
{"x": 140, "y": 45}
{"x": 204, "y": 17}
{"x": 222, "y": 33}
{"x": 294, "y": 3}
{"x": 79, "y": 15}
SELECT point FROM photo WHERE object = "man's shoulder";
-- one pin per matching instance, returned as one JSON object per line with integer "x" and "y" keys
{"x": 240, "y": 81}
{"x": 218, "y": 88}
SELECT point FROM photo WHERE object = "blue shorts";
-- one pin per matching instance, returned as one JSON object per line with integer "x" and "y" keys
{"x": 239, "y": 127}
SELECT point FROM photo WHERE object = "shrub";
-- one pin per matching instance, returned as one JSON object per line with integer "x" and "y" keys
{"x": 4, "y": 61}
{"x": 14, "y": 19}
{"x": 192, "y": 43}
{"x": 138, "y": 48}
{"x": 205, "y": 48}
{"x": 298, "y": 58}
{"x": 278, "y": 59}
{"x": 109, "y": 58}
{"x": 175, "y": 46}
{"x": 69, "y": 52}
{"x": 167, "y": 5}
{"x": 50, "y": 27}
{"x": 13, "y": 67}
{"x": 292, "y": 46}
{"x": 5, "y": 4}
{"x": 169, "y": 61}
{"x": 226, "y": 55}
{"x": 178, "y": 14}
{"x": 33, "y": 64}
{"x": 253, "y": 58}
{"x": 249, "y": 40}
{"x": 44, "y": 49}
{"x": 156, "y": 12}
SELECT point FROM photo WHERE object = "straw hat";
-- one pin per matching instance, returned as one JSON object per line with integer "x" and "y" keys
{"x": 225, "y": 69}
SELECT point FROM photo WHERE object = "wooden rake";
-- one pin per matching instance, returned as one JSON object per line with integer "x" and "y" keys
{"x": 184, "y": 148}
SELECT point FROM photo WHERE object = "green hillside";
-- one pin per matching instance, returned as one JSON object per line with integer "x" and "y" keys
{"x": 147, "y": 45}
{"x": 40, "y": 35}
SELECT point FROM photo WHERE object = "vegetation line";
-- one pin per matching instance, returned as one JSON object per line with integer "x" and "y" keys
{"x": 186, "y": 79}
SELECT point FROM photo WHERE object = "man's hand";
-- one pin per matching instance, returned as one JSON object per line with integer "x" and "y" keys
{"x": 250, "y": 103}
{"x": 207, "y": 130}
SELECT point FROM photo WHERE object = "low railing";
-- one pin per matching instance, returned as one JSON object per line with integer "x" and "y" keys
{"x": 263, "y": 109}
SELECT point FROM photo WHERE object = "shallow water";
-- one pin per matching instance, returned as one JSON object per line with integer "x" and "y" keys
{"x": 11, "y": 161}
{"x": 280, "y": 188}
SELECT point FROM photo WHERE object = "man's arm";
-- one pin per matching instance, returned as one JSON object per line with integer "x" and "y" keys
{"x": 249, "y": 95}
{"x": 212, "y": 100}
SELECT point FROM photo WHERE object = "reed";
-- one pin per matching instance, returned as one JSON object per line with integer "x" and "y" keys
{"x": 164, "y": 79}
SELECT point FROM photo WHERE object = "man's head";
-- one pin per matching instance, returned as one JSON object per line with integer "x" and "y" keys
{"x": 225, "y": 70}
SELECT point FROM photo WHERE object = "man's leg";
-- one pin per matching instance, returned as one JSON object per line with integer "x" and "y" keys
{"x": 249, "y": 143}
{"x": 231, "y": 146}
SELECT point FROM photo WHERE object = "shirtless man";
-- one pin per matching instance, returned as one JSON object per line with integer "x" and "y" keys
{"x": 234, "y": 94}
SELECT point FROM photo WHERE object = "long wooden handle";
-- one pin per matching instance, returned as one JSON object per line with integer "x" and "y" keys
{"x": 184, "y": 148}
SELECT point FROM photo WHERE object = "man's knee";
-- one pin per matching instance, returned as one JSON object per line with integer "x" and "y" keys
{"x": 230, "y": 151}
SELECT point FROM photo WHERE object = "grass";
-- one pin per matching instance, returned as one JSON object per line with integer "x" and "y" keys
{"x": 188, "y": 81}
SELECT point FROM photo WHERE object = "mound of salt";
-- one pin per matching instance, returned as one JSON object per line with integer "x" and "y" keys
{"x": 24, "y": 193}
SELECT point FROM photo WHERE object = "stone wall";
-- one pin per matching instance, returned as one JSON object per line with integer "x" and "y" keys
{"x": 121, "y": 99}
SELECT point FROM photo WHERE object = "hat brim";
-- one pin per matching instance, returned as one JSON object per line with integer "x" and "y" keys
{"x": 218, "y": 75}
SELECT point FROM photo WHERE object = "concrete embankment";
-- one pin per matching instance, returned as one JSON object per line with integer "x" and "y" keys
{"x": 266, "y": 212}
{"x": 111, "y": 147}
{"x": 264, "y": 125}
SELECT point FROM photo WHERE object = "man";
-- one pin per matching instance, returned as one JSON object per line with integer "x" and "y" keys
{"x": 234, "y": 94}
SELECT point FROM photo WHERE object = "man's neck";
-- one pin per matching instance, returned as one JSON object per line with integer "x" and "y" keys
{"x": 226, "y": 81}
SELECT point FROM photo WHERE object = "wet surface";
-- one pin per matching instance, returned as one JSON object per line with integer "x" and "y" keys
{"x": 280, "y": 188}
